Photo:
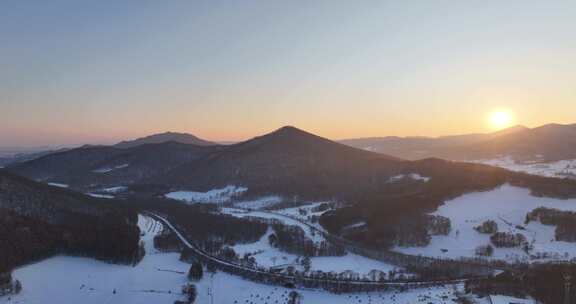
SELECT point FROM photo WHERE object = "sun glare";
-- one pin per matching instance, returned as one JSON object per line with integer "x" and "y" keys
{"x": 500, "y": 119}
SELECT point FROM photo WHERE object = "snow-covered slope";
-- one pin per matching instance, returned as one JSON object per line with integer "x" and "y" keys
{"x": 214, "y": 196}
{"x": 560, "y": 169}
{"x": 156, "y": 279}
{"x": 229, "y": 289}
{"x": 310, "y": 233}
{"x": 269, "y": 256}
{"x": 508, "y": 207}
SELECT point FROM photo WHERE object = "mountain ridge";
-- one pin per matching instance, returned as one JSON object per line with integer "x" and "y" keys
{"x": 185, "y": 138}
{"x": 551, "y": 142}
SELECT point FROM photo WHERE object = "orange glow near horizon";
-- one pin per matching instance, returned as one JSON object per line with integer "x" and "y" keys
{"x": 501, "y": 119}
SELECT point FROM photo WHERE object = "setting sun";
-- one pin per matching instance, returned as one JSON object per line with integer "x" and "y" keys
{"x": 501, "y": 119}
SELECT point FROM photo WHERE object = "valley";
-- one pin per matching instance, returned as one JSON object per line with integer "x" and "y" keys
{"x": 290, "y": 214}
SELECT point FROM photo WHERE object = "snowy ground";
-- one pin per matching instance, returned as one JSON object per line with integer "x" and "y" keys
{"x": 508, "y": 300}
{"x": 157, "y": 279}
{"x": 411, "y": 176}
{"x": 214, "y": 196}
{"x": 269, "y": 256}
{"x": 110, "y": 169}
{"x": 59, "y": 185}
{"x": 507, "y": 206}
{"x": 561, "y": 169}
{"x": 240, "y": 291}
{"x": 314, "y": 236}
{"x": 259, "y": 203}
{"x": 117, "y": 189}
{"x": 98, "y": 195}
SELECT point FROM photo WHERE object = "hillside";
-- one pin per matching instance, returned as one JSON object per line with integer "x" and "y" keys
{"x": 287, "y": 161}
{"x": 93, "y": 168}
{"x": 38, "y": 220}
{"x": 546, "y": 143}
{"x": 183, "y": 138}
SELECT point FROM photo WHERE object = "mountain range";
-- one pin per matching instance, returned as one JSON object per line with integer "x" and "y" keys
{"x": 287, "y": 162}
{"x": 183, "y": 138}
{"x": 550, "y": 142}
{"x": 382, "y": 190}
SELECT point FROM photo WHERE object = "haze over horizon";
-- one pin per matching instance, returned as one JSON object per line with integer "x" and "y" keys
{"x": 102, "y": 72}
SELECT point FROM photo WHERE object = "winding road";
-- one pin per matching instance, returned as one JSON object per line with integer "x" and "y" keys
{"x": 333, "y": 284}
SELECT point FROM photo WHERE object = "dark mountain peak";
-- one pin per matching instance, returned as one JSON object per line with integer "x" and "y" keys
{"x": 511, "y": 130}
{"x": 556, "y": 127}
{"x": 184, "y": 138}
{"x": 290, "y": 138}
{"x": 291, "y": 131}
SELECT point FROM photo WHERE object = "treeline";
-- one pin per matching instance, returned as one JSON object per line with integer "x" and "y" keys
{"x": 37, "y": 221}
{"x": 167, "y": 241}
{"x": 331, "y": 281}
{"x": 413, "y": 231}
{"x": 292, "y": 239}
{"x": 565, "y": 222}
{"x": 508, "y": 240}
{"x": 25, "y": 239}
{"x": 544, "y": 282}
{"x": 203, "y": 223}
{"x": 8, "y": 285}
{"x": 386, "y": 210}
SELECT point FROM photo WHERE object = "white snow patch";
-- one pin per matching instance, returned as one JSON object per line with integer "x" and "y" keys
{"x": 310, "y": 233}
{"x": 305, "y": 213}
{"x": 231, "y": 289}
{"x": 559, "y": 169}
{"x": 510, "y": 300}
{"x": 110, "y": 169}
{"x": 508, "y": 206}
{"x": 260, "y": 203}
{"x": 117, "y": 189}
{"x": 214, "y": 196}
{"x": 97, "y": 195}
{"x": 158, "y": 278}
{"x": 268, "y": 256}
{"x": 59, "y": 185}
{"x": 357, "y": 225}
{"x": 412, "y": 176}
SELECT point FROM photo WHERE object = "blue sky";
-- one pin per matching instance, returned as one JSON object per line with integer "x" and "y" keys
{"x": 73, "y": 72}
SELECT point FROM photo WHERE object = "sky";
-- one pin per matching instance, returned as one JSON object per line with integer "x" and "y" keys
{"x": 75, "y": 72}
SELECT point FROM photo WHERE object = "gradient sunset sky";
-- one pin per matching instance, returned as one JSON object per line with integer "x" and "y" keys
{"x": 74, "y": 72}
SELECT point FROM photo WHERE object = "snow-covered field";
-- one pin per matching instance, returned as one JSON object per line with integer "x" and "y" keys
{"x": 508, "y": 300}
{"x": 268, "y": 256}
{"x": 116, "y": 189}
{"x": 59, "y": 185}
{"x": 215, "y": 196}
{"x": 507, "y": 206}
{"x": 230, "y": 289}
{"x": 412, "y": 176}
{"x": 308, "y": 211}
{"x": 314, "y": 236}
{"x": 259, "y": 203}
{"x": 156, "y": 279}
{"x": 561, "y": 169}
{"x": 98, "y": 195}
{"x": 160, "y": 276}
